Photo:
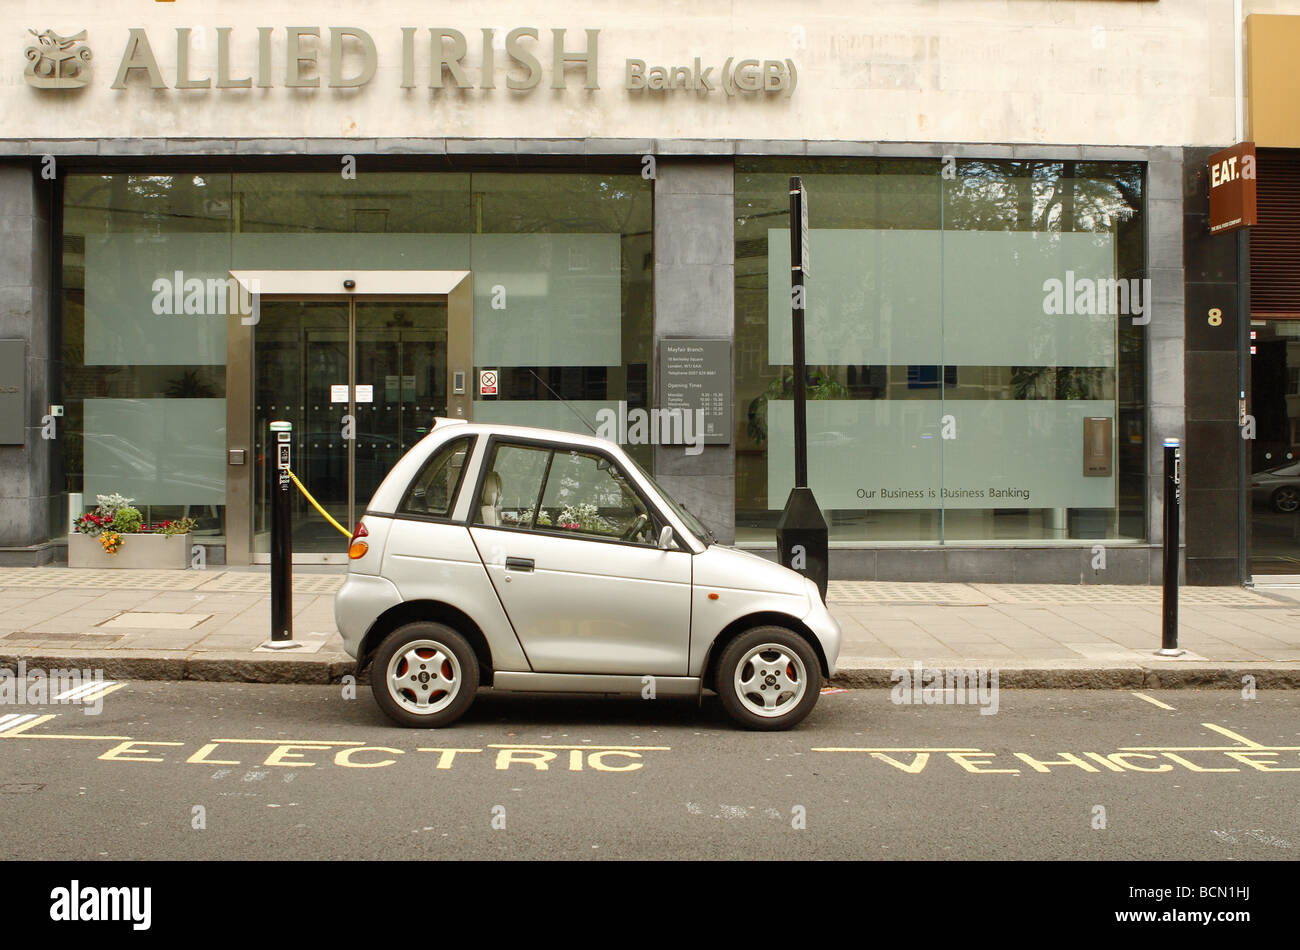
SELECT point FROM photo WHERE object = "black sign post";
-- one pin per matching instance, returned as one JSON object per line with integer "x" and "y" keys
{"x": 1173, "y": 490}
{"x": 280, "y": 489}
{"x": 801, "y": 533}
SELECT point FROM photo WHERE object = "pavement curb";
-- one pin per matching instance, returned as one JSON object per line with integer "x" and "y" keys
{"x": 326, "y": 668}
{"x": 208, "y": 667}
{"x": 1137, "y": 677}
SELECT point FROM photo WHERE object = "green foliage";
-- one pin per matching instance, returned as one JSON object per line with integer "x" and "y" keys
{"x": 179, "y": 526}
{"x": 127, "y": 520}
{"x": 820, "y": 386}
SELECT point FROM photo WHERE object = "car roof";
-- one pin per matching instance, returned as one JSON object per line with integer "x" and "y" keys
{"x": 521, "y": 432}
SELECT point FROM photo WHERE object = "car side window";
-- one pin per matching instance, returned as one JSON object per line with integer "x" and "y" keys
{"x": 434, "y": 490}
{"x": 586, "y": 494}
{"x": 511, "y": 486}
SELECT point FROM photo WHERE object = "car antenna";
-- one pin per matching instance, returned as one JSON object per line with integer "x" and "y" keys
{"x": 566, "y": 405}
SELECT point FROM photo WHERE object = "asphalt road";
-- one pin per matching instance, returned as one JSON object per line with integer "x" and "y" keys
{"x": 201, "y": 771}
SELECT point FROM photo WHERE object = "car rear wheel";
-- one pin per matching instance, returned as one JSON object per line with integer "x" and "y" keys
{"x": 424, "y": 675}
{"x": 768, "y": 678}
{"x": 1286, "y": 499}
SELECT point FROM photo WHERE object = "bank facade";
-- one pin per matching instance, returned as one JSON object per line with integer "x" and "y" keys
{"x": 364, "y": 223}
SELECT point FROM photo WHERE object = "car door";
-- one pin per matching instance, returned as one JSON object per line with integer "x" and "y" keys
{"x": 569, "y": 545}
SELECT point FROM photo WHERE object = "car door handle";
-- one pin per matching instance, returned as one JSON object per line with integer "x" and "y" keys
{"x": 519, "y": 564}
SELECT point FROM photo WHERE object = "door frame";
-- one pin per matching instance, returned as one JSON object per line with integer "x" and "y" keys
{"x": 453, "y": 286}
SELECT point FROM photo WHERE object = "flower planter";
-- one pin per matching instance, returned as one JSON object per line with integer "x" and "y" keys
{"x": 144, "y": 551}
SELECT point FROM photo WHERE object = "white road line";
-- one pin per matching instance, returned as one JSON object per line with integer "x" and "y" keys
{"x": 100, "y": 692}
{"x": 69, "y": 694}
{"x": 1153, "y": 702}
{"x": 13, "y": 721}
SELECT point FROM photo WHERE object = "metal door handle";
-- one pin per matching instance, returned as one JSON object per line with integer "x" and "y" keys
{"x": 519, "y": 564}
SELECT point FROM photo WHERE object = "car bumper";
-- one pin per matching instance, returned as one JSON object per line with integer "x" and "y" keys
{"x": 825, "y": 627}
{"x": 358, "y": 604}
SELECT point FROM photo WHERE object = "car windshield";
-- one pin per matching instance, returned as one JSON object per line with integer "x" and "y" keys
{"x": 696, "y": 526}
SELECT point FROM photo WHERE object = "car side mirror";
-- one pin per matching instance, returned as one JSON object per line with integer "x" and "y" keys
{"x": 666, "y": 538}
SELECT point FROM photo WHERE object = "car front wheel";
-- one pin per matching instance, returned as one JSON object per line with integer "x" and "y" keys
{"x": 768, "y": 678}
{"x": 1286, "y": 499}
{"x": 424, "y": 675}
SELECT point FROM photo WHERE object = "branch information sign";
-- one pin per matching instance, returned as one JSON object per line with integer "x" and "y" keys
{"x": 695, "y": 376}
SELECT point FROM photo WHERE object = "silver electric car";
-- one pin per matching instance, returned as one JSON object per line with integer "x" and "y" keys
{"x": 536, "y": 560}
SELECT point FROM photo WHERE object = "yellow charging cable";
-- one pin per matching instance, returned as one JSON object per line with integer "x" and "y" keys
{"x": 315, "y": 504}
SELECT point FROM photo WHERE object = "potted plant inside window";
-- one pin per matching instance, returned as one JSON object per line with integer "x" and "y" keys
{"x": 114, "y": 535}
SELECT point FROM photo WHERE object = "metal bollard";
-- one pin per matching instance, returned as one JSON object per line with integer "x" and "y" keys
{"x": 1173, "y": 493}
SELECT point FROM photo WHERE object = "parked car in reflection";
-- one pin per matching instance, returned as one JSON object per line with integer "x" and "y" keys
{"x": 1278, "y": 487}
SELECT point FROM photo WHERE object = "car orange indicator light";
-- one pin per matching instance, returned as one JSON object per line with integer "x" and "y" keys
{"x": 713, "y": 597}
{"x": 357, "y": 549}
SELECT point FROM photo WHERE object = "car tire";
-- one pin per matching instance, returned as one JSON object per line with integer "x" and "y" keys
{"x": 440, "y": 690}
{"x": 758, "y": 690}
{"x": 1286, "y": 499}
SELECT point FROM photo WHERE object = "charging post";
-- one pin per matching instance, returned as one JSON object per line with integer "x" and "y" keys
{"x": 279, "y": 487}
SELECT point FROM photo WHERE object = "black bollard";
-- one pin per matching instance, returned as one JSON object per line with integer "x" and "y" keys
{"x": 1173, "y": 490}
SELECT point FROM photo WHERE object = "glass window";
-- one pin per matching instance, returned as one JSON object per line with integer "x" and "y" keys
{"x": 586, "y": 494}
{"x": 963, "y": 326}
{"x": 563, "y": 307}
{"x": 434, "y": 490}
{"x": 512, "y": 486}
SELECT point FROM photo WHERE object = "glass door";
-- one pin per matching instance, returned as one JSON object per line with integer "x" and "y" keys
{"x": 401, "y": 380}
{"x": 1275, "y": 469}
{"x": 362, "y": 381}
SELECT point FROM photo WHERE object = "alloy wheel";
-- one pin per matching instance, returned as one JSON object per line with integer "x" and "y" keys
{"x": 770, "y": 680}
{"x": 423, "y": 677}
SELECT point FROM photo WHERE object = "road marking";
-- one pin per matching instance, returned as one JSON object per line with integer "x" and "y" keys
{"x": 521, "y": 745}
{"x": 85, "y": 690}
{"x": 896, "y": 748}
{"x": 1234, "y": 736}
{"x": 289, "y": 741}
{"x": 1154, "y": 702}
{"x": 1248, "y": 743}
{"x": 100, "y": 693}
{"x": 13, "y": 720}
{"x": 18, "y": 730}
{"x": 1256, "y": 755}
{"x": 126, "y": 751}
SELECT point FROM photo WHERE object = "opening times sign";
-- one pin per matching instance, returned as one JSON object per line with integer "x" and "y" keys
{"x": 695, "y": 377}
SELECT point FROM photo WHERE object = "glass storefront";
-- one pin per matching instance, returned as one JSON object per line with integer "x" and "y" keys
{"x": 562, "y": 310}
{"x": 1275, "y": 471}
{"x": 975, "y": 371}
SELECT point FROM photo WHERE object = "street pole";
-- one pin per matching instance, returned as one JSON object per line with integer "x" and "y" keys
{"x": 280, "y": 489}
{"x": 798, "y": 300}
{"x": 802, "y": 538}
{"x": 1173, "y": 486}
